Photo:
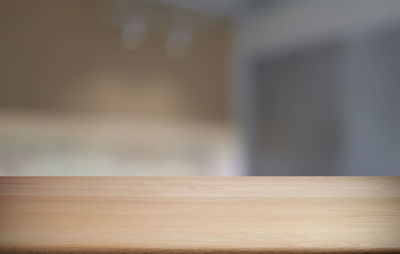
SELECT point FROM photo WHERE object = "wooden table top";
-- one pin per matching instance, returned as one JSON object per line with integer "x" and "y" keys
{"x": 200, "y": 215}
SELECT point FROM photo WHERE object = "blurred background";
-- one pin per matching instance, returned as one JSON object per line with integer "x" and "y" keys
{"x": 199, "y": 87}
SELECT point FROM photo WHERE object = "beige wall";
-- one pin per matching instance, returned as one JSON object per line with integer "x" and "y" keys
{"x": 62, "y": 55}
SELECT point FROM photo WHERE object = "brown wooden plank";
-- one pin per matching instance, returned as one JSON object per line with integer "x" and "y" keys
{"x": 200, "y": 215}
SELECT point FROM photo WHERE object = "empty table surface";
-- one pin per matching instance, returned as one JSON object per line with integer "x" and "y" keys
{"x": 200, "y": 215}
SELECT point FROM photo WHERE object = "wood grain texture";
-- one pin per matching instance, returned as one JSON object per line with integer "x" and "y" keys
{"x": 200, "y": 215}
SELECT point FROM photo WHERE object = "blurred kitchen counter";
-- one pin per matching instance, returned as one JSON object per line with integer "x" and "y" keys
{"x": 200, "y": 215}
{"x": 70, "y": 144}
